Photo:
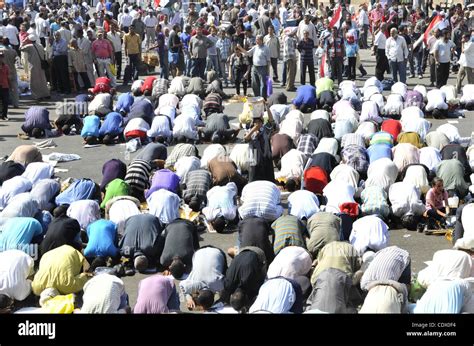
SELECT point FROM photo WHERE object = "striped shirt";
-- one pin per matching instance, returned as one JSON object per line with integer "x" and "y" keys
{"x": 306, "y": 49}
{"x": 352, "y": 139}
{"x": 180, "y": 150}
{"x": 198, "y": 183}
{"x": 387, "y": 264}
{"x": 307, "y": 144}
{"x": 138, "y": 175}
{"x": 213, "y": 103}
{"x": 382, "y": 137}
{"x": 288, "y": 232}
{"x": 261, "y": 199}
{"x": 160, "y": 87}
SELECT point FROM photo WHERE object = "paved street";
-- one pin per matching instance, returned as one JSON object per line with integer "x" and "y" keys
{"x": 420, "y": 246}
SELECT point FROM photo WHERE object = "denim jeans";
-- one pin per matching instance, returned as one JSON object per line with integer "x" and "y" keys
{"x": 416, "y": 63}
{"x": 198, "y": 67}
{"x": 399, "y": 68}
{"x": 163, "y": 56}
{"x": 259, "y": 80}
{"x": 214, "y": 63}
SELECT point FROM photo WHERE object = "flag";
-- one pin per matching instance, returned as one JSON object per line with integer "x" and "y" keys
{"x": 433, "y": 25}
{"x": 336, "y": 19}
{"x": 323, "y": 67}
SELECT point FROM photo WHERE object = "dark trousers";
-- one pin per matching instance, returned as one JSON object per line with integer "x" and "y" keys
{"x": 432, "y": 62}
{"x": 85, "y": 80}
{"x": 274, "y": 62}
{"x": 43, "y": 41}
{"x": 352, "y": 67}
{"x": 310, "y": 66}
{"x": 118, "y": 63}
{"x": 239, "y": 78}
{"x": 198, "y": 67}
{"x": 61, "y": 74}
{"x": 381, "y": 64}
{"x": 363, "y": 37}
{"x": 259, "y": 80}
{"x": 134, "y": 61}
{"x": 4, "y": 96}
{"x": 336, "y": 69}
{"x": 442, "y": 74}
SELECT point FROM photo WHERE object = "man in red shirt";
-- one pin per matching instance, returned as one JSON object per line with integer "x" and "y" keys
{"x": 4, "y": 86}
{"x": 104, "y": 56}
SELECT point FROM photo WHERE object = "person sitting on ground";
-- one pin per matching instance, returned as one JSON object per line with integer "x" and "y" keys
{"x": 180, "y": 241}
{"x": 90, "y": 130}
{"x": 244, "y": 277}
{"x": 16, "y": 268}
{"x": 156, "y": 295}
{"x": 437, "y": 207}
{"x": 62, "y": 268}
{"x": 305, "y": 99}
{"x": 140, "y": 241}
{"x": 111, "y": 128}
{"x": 36, "y": 122}
{"x": 208, "y": 273}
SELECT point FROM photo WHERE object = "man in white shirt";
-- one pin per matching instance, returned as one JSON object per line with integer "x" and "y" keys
{"x": 379, "y": 51}
{"x": 443, "y": 50}
{"x": 11, "y": 32}
{"x": 397, "y": 54}
{"x": 15, "y": 268}
{"x": 115, "y": 38}
{"x": 65, "y": 32}
{"x": 150, "y": 24}
{"x": 283, "y": 14}
{"x": 306, "y": 25}
{"x": 363, "y": 23}
{"x": 261, "y": 199}
{"x": 42, "y": 28}
{"x": 184, "y": 128}
{"x": 466, "y": 62}
{"x": 125, "y": 20}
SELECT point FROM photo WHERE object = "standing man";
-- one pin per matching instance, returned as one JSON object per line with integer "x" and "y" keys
{"x": 273, "y": 44}
{"x": 443, "y": 50}
{"x": 11, "y": 32}
{"x": 363, "y": 22}
{"x": 397, "y": 53}
{"x": 198, "y": 46}
{"x": 466, "y": 62}
{"x": 150, "y": 24}
{"x": 9, "y": 59}
{"x": 138, "y": 25}
{"x": 223, "y": 45}
{"x": 60, "y": 65}
{"x": 125, "y": 21}
{"x": 289, "y": 59}
{"x": 335, "y": 53}
{"x": 305, "y": 47}
{"x": 115, "y": 38}
{"x": 185, "y": 38}
{"x": 133, "y": 49}
{"x": 260, "y": 68}
{"x": 103, "y": 54}
{"x": 263, "y": 23}
{"x": 85, "y": 46}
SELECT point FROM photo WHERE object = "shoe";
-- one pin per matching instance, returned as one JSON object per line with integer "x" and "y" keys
{"x": 412, "y": 76}
{"x": 420, "y": 228}
{"x": 420, "y": 76}
{"x": 291, "y": 89}
{"x": 431, "y": 85}
{"x": 130, "y": 272}
{"x": 276, "y": 81}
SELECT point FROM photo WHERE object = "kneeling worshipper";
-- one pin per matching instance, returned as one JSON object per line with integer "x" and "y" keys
{"x": 36, "y": 122}
{"x": 115, "y": 188}
{"x": 12, "y": 188}
{"x": 369, "y": 232}
{"x": 18, "y": 233}
{"x": 10, "y": 169}
{"x": 104, "y": 294}
{"x": 44, "y": 192}
{"x": 180, "y": 241}
{"x": 63, "y": 269}
{"x": 21, "y": 205}
{"x": 15, "y": 269}
{"x": 164, "y": 205}
{"x": 278, "y": 296}
{"x": 156, "y": 295}
{"x": 209, "y": 268}
{"x": 112, "y": 169}
{"x": 37, "y": 171}
{"x": 26, "y": 154}
{"x": 119, "y": 209}
{"x": 63, "y": 230}
{"x": 288, "y": 230}
{"x": 138, "y": 178}
{"x": 333, "y": 293}
{"x": 140, "y": 241}
{"x": 85, "y": 211}
{"x": 102, "y": 235}
{"x": 244, "y": 277}
{"x": 303, "y": 204}
{"x": 445, "y": 297}
{"x": 221, "y": 208}
{"x": 78, "y": 190}
{"x": 386, "y": 297}
{"x": 111, "y": 128}
{"x": 254, "y": 231}
{"x": 261, "y": 199}
{"x": 323, "y": 228}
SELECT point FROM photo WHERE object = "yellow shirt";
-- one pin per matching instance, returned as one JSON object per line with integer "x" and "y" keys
{"x": 60, "y": 268}
{"x": 132, "y": 43}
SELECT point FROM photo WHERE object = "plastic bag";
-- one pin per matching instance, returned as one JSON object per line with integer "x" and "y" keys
{"x": 269, "y": 86}
{"x": 60, "y": 305}
{"x": 133, "y": 145}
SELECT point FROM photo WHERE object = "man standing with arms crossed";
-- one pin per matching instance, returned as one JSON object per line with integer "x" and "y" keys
{"x": 133, "y": 49}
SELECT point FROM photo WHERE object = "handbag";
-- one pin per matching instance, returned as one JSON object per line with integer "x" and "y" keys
{"x": 44, "y": 63}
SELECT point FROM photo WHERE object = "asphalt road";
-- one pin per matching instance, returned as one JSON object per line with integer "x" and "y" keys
{"x": 420, "y": 246}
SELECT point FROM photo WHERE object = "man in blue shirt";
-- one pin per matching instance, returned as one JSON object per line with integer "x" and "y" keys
{"x": 124, "y": 103}
{"x": 185, "y": 37}
{"x": 61, "y": 80}
{"x": 111, "y": 128}
{"x": 36, "y": 121}
{"x": 305, "y": 99}
{"x": 101, "y": 234}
